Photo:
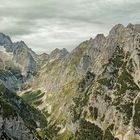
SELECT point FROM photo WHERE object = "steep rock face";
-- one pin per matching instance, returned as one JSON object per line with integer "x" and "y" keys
{"x": 18, "y": 120}
{"x": 55, "y": 59}
{"x": 17, "y": 62}
{"x": 20, "y": 54}
{"x": 11, "y": 125}
{"x": 10, "y": 72}
{"x": 12, "y": 79}
{"x": 5, "y": 40}
{"x": 96, "y": 85}
{"x": 57, "y": 54}
{"x": 43, "y": 58}
{"x": 24, "y": 57}
{"x": 110, "y": 100}
{"x": 90, "y": 55}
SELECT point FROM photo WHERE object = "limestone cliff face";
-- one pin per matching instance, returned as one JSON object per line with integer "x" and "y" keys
{"x": 98, "y": 85}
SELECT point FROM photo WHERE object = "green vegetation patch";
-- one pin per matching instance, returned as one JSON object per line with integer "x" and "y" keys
{"x": 7, "y": 110}
{"x": 136, "y": 118}
{"x": 88, "y": 131}
{"x": 105, "y": 82}
{"x": 33, "y": 98}
{"x": 112, "y": 68}
{"x": 93, "y": 112}
{"x": 127, "y": 108}
{"x": 126, "y": 82}
{"x": 67, "y": 135}
{"x": 77, "y": 108}
{"x": 130, "y": 66}
{"x": 108, "y": 135}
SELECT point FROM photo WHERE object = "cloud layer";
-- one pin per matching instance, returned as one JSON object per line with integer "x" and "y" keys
{"x": 48, "y": 24}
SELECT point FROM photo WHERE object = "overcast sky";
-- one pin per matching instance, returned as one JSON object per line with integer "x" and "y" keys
{"x": 48, "y": 24}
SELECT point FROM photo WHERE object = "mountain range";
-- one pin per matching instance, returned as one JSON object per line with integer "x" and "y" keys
{"x": 91, "y": 93}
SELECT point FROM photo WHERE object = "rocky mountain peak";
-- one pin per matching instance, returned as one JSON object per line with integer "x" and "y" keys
{"x": 58, "y": 51}
{"x": 5, "y": 40}
{"x": 58, "y": 54}
{"x": 131, "y": 26}
{"x": 43, "y": 55}
{"x": 116, "y": 29}
{"x": 21, "y": 44}
{"x": 64, "y": 50}
{"x": 134, "y": 27}
{"x": 99, "y": 40}
{"x": 43, "y": 58}
{"x": 99, "y": 36}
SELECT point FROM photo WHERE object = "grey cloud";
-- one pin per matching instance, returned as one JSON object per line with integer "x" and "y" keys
{"x": 47, "y": 24}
